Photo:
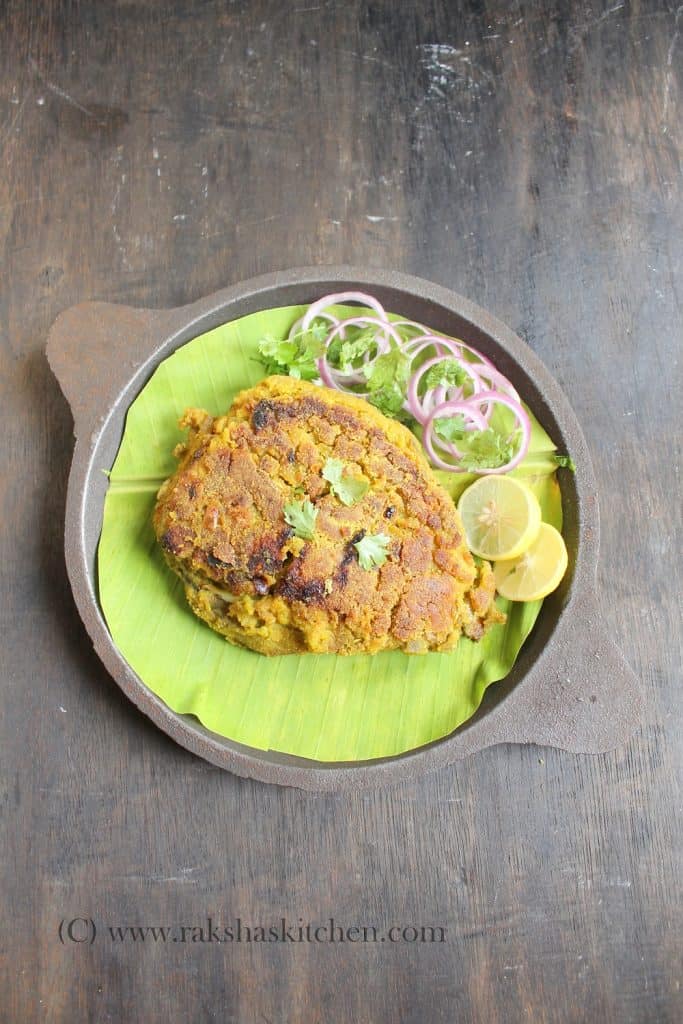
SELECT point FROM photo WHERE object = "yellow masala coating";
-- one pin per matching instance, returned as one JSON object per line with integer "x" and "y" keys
{"x": 220, "y": 520}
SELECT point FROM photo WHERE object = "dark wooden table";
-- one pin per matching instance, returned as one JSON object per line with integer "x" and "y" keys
{"x": 526, "y": 155}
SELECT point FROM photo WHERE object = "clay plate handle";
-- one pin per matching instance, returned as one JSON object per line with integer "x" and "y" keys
{"x": 94, "y": 349}
{"x": 580, "y": 695}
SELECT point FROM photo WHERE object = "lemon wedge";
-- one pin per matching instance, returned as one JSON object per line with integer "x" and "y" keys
{"x": 535, "y": 573}
{"x": 501, "y": 517}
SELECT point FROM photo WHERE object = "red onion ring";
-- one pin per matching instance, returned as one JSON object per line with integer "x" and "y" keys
{"x": 522, "y": 418}
{"x": 424, "y": 341}
{"x": 420, "y": 408}
{"x": 298, "y": 324}
{"x": 430, "y": 439}
{"x": 488, "y": 385}
{"x": 497, "y": 380}
{"x": 337, "y": 299}
{"x": 409, "y": 323}
{"x": 336, "y": 378}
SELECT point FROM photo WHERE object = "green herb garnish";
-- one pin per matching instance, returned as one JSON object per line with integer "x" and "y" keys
{"x": 301, "y": 515}
{"x": 448, "y": 373}
{"x": 372, "y": 550}
{"x": 349, "y": 490}
{"x": 387, "y": 379}
{"x": 565, "y": 461}
{"x": 481, "y": 449}
{"x": 295, "y": 356}
{"x": 344, "y": 354}
{"x": 486, "y": 449}
{"x": 451, "y": 428}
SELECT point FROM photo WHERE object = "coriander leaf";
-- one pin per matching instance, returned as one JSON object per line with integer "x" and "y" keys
{"x": 332, "y": 471}
{"x": 344, "y": 353}
{"x": 295, "y": 356}
{"x": 333, "y": 353}
{"x": 390, "y": 368}
{"x": 566, "y": 462}
{"x": 349, "y": 490}
{"x": 388, "y": 400}
{"x": 387, "y": 379}
{"x": 372, "y": 550}
{"x": 301, "y": 515}
{"x": 448, "y": 373}
{"x": 487, "y": 449}
{"x": 277, "y": 349}
{"x": 351, "y": 349}
{"x": 451, "y": 428}
{"x": 318, "y": 331}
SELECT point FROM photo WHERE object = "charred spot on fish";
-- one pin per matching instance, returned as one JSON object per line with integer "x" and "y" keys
{"x": 192, "y": 491}
{"x": 311, "y": 592}
{"x": 265, "y": 560}
{"x": 267, "y": 410}
{"x": 291, "y": 457}
{"x": 350, "y": 550}
{"x": 389, "y": 512}
{"x": 263, "y": 410}
{"x": 342, "y": 574}
{"x": 173, "y": 540}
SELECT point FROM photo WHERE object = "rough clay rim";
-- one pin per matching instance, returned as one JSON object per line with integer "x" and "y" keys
{"x": 521, "y": 715}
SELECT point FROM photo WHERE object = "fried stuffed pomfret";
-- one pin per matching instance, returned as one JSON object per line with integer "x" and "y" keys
{"x": 220, "y": 520}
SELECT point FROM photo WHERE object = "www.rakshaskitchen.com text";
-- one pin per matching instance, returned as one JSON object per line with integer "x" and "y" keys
{"x": 84, "y": 930}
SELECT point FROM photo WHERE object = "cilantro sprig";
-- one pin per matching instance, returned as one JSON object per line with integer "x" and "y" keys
{"x": 450, "y": 428}
{"x": 295, "y": 356}
{"x": 373, "y": 550}
{"x": 348, "y": 489}
{"x": 301, "y": 516}
{"x": 447, "y": 373}
{"x": 346, "y": 354}
{"x": 387, "y": 378}
{"x": 480, "y": 449}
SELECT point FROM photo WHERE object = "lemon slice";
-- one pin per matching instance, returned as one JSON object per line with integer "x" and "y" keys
{"x": 536, "y": 573}
{"x": 501, "y": 517}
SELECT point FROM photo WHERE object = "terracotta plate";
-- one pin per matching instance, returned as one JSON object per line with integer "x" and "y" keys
{"x": 570, "y": 686}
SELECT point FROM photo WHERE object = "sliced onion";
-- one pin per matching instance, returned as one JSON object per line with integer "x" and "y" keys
{"x": 294, "y": 329}
{"x": 412, "y": 324}
{"x": 413, "y": 346}
{"x": 336, "y": 299}
{"x": 488, "y": 386}
{"x": 478, "y": 356}
{"x": 340, "y": 379}
{"x": 522, "y": 417}
{"x": 431, "y": 440}
{"x": 489, "y": 374}
{"x": 420, "y": 408}
{"x": 384, "y": 326}
{"x": 298, "y": 324}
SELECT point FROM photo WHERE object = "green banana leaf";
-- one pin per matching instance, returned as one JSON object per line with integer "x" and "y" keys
{"x": 322, "y": 707}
